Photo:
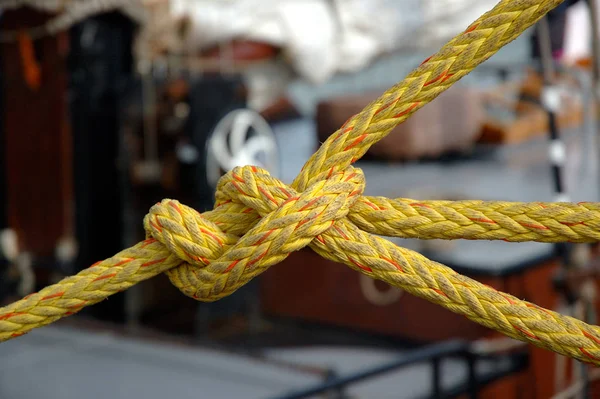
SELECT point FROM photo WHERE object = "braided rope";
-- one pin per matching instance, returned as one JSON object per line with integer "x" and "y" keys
{"x": 258, "y": 221}
{"x": 479, "y": 220}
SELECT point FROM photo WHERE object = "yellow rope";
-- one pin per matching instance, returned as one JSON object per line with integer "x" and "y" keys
{"x": 478, "y": 220}
{"x": 258, "y": 221}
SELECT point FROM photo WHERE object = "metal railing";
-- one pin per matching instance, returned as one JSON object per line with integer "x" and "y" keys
{"x": 434, "y": 354}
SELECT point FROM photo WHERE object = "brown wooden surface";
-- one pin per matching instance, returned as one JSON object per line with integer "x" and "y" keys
{"x": 311, "y": 288}
{"x": 38, "y": 141}
{"x": 539, "y": 290}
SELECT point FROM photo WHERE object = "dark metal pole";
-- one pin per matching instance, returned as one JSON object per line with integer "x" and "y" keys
{"x": 472, "y": 379}
{"x": 551, "y": 102}
{"x": 436, "y": 376}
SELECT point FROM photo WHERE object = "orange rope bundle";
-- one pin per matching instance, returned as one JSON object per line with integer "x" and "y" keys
{"x": 31, "y": 68}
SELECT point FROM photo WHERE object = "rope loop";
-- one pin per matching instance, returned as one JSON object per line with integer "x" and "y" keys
{"x": 216, "y": 263}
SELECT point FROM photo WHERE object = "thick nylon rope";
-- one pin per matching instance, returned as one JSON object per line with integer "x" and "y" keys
{"x": 479, "y": 220}
{"x": 450, "y": 220}
{"x": 258, "y": 221}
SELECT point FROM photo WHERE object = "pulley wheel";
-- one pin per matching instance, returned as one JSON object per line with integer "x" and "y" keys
{"x": 242, "y": 137}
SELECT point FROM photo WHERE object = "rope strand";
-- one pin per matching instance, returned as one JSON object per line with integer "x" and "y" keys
{"x": 258, "y": 221}
{"x": 478, "y": 220}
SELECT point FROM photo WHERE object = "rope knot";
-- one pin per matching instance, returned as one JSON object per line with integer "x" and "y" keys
{"x": 257, "y": 222}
